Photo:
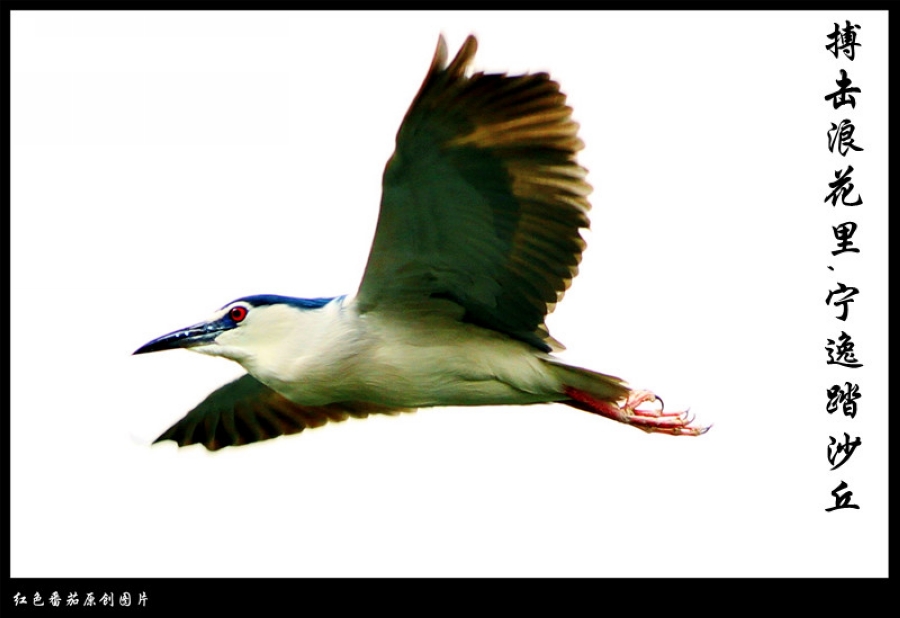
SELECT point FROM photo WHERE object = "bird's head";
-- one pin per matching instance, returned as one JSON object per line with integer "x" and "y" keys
{"x": 244, "y": 330}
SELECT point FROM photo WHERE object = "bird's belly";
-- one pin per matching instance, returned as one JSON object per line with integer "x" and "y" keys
{"x": 417, "y": 386}
{"x": 446, "y": 364}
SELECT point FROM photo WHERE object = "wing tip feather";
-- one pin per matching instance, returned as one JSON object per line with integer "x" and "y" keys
{"x": 457, "y": 68}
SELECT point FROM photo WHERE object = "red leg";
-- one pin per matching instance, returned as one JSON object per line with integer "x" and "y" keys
{"x": 655, "y": 420}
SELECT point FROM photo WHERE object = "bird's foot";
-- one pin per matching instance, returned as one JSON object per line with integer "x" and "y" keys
{"x": 652, "y": 420}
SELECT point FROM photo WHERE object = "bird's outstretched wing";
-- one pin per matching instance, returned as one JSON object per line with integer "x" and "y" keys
{"x": 247, "y": 410}
{"x": 482, "y": 200}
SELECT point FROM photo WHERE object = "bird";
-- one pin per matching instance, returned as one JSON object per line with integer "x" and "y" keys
{"x": 478, "y": 237}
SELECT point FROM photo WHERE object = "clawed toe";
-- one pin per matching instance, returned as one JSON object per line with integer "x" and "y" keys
{"x": 650, "y": 419}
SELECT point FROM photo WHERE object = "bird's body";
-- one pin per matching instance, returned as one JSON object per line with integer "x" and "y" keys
{"x": 477, "y": 240}
{"x": 431, "y": 359}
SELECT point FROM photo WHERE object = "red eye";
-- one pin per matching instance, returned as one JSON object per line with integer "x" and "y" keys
{"x": 238, "y": 313}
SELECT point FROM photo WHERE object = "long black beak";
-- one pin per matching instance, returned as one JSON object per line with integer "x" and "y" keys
{"x": 198, "y": 334}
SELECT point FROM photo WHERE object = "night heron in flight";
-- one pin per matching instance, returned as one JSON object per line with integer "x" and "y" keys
{"x": 477, "y": 240}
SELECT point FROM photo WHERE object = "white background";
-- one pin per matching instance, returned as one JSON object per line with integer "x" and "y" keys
{"x": 164, "y": 164}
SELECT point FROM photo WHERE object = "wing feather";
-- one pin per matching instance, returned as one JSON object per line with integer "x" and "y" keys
{"x": 483, "y": 200}
{"x": 246, "y": 410}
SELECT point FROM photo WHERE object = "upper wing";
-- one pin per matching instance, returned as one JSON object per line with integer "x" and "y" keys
{"x": 482, "y": 200}
{"x": 247, "y": 410}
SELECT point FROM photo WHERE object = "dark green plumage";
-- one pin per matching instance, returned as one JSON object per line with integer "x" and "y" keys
{"x": 246, "y": 410}
{"x": 482, "y": 201}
